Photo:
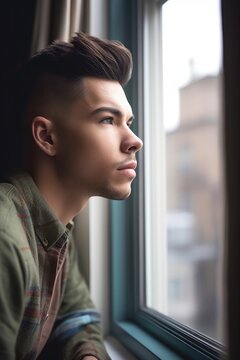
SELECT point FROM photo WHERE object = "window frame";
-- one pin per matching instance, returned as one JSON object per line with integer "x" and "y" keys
{"x": 147, "y": 334}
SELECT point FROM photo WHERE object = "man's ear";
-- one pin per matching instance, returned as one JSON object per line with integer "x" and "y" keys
{"x": 43, "y": 134}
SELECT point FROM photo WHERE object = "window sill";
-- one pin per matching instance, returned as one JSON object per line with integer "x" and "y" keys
{"x": 143, "y": 344}
{"x": 116, "y": 350}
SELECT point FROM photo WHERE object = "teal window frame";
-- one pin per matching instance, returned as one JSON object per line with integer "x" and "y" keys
{"x": 147, "y": 334}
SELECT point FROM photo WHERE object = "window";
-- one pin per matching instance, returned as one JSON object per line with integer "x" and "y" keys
{"x": 183, "y": 182}
{"x": 164, "y": 262}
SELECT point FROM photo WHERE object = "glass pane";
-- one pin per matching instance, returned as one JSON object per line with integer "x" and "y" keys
{"x": 190, "y": 275}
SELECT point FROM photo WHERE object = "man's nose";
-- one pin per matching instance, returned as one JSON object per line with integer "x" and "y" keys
{"x": 131, "y": 144}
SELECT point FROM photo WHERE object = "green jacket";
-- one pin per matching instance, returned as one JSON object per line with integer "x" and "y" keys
{"x": 45, "y": 308}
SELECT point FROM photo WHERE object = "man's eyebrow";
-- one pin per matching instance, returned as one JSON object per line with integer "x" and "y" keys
{"x": 112, "y": 110}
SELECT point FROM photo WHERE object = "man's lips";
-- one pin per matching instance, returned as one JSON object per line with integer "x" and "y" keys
{"x": 128, "y": 165}
{"x": 128, "y": 169}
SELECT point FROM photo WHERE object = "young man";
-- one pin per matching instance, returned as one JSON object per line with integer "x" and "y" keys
{"x": 79, "y": 144}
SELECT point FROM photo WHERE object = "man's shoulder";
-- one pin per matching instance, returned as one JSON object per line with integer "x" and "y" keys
{"x": 7, "y": 202}
{"x": 10, "y": 213}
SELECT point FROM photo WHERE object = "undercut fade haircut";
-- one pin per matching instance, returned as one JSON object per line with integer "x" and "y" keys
{"x": 52, "y": 79}
{"x": 83, "y": 56}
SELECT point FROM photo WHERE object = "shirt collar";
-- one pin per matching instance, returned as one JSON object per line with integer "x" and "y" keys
{"x": 47, "y": 226}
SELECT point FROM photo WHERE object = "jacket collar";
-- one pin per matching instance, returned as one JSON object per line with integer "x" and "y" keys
{"x": 47, "y": 226}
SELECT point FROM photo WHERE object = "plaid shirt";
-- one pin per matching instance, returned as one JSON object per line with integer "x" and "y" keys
{"x": 45, "y": 308}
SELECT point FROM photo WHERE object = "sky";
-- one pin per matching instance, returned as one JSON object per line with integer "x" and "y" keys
{"x": 192, "y": 46}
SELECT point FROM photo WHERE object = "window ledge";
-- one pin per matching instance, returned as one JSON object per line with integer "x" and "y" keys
{"x": 117, "y": 351}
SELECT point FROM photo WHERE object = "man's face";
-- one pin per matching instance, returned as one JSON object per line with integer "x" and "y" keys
{"x": 96, "y": 149}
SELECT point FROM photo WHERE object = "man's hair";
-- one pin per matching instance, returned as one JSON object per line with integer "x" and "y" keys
{"x": 83, "y": 56}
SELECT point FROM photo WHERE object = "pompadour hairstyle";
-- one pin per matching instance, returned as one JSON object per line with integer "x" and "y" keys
{"x": 83, "y": 56}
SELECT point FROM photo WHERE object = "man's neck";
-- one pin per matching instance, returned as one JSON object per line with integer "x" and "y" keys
{"x": 64, "y": 201}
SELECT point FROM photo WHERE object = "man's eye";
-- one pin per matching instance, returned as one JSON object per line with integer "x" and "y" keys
{"x": 107, "y": 121}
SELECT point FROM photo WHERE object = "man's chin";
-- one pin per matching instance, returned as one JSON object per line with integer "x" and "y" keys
{"x": 119, "y": 195}
{"x": 114, "y": 192}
